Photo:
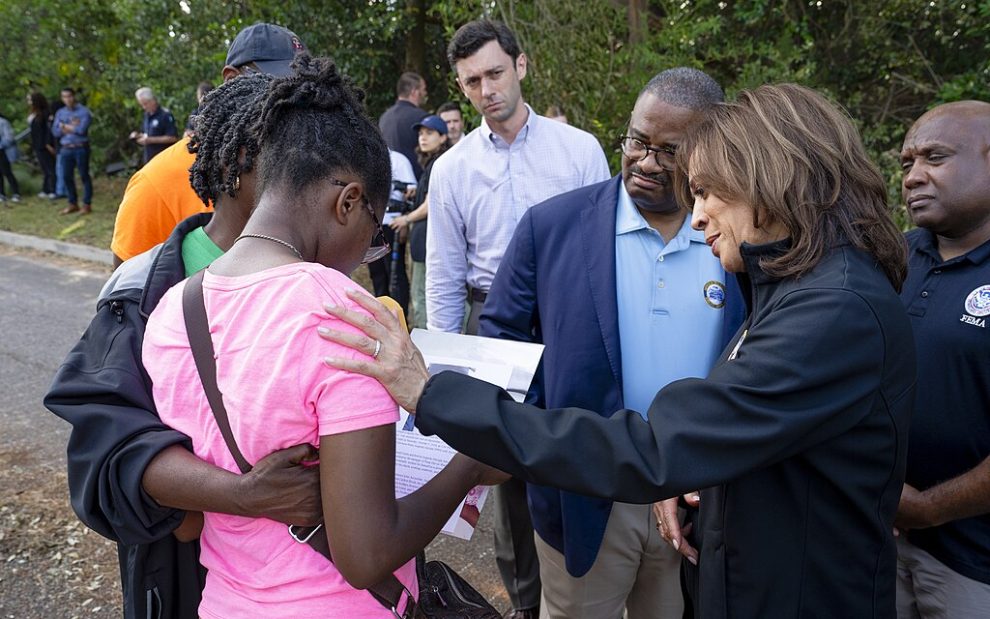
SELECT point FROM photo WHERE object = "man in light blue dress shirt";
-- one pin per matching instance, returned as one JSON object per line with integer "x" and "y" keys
{"x": 478, "y": 191}
{"x": 627, "y": 298}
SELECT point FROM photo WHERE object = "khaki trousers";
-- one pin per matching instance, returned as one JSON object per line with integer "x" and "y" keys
{"x": 929, "y": 589}
{"x": 635, "y": 571}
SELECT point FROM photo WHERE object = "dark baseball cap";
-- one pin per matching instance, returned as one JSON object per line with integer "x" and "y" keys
{"x": 432, "y": 122}
{"x": 271, "y": 48}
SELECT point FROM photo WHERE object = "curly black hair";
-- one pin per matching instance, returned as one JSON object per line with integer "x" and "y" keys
{"x": 222, "y": 132}
{"x": 313, "y": 124}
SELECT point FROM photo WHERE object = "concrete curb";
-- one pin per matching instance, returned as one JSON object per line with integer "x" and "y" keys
{"x": 72, "y": 250}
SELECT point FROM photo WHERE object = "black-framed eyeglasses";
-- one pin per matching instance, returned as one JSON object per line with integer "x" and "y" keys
{"x": 379, "y": 247}
{"x": 639, "y": 150}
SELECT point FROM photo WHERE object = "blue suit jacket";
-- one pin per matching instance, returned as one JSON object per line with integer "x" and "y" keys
{"x": 556, "y": 286}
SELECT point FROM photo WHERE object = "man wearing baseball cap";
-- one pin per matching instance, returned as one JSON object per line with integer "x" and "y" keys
{"x": 118, "y": 441}
{"x": 159, "y": 196}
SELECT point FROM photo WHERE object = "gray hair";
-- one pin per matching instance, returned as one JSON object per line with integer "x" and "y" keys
{"x": 145, "y": 94}
{"x": 685, "y": 87}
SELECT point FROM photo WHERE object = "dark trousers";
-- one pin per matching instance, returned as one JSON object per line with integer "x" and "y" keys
{"x": 515, "y": 549}
{"x": 46, "y": 161}
{"x": 391, "y": 270}
{"x": 73, "y": 158}
{"x": 8, "y": 173}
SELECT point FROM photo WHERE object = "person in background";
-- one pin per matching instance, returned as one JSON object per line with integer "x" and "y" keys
{"x": 478, "y": 193}
{"x": 943, "y": 563}
{"x": 555, "y": 112}
{"x": 158, "y": 196}
{"x": 202, "y": 89}
{"x": 158, "y": 130}
{"x": 451, "y": 114}
{"x": 71, "y": 128}
{"x": 42, "y": 143}
{"x": 396, "y": 122}
{"x": 433, "y": 142}
{"x": 8, "y": 155}
{"x": 56, "y": 104}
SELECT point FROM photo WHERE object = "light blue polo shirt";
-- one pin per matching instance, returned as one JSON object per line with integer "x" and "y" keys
{"x": 671, "y": 299}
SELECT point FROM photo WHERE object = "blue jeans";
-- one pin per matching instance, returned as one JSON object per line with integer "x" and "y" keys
{"x": 71, "y": 159}
{"x": 59, "y": 179}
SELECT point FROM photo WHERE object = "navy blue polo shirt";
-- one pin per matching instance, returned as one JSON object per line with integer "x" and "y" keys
{"x": 949, "y": 306}
{"x": 160, "y": 123}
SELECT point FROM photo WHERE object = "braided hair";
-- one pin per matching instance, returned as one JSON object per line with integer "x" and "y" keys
{"x": 314, "y": 123}
{"x": 222, "y": 132}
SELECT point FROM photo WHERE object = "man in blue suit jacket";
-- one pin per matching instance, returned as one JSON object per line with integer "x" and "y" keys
{"x": 626, "y": 297}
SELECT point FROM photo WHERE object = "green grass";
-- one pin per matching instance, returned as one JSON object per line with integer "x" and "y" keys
{"x": 40, "y": 216}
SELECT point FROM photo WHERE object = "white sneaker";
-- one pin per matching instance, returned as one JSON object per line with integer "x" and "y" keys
{"x": 50, "y": 196}
{"x": 15, "y": 198}
{"x": 42, "y": 194}
{"x": 3, "y": 198}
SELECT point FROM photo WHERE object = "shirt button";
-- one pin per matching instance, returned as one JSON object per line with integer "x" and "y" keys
{"x": 660, "y": 258}
{"x": 924, "y": 294}
{"x": 660, "y": 284}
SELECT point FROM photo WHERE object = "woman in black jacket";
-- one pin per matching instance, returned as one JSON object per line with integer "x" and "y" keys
{"x": 42, "y": 142}
{"x": 797, "y": 438}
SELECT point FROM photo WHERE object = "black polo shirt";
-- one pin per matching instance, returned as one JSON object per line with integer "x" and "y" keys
{"x": 396, "y": 125}
{"x": 160, "y": 123}
{"x": 949, "y": 306}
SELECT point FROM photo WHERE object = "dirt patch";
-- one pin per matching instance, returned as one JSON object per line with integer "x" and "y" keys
{"x": 51, "y": 565}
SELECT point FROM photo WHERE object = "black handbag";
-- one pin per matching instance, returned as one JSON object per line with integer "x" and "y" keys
{"x": 443, "y": 594}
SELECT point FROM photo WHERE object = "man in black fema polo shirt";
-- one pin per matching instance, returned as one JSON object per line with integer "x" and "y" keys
{"x": 944, "y": 514}
{"x": 158, "y": 130}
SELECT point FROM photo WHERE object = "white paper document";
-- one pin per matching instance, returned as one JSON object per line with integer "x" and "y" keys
{"x": 418, "y": 458}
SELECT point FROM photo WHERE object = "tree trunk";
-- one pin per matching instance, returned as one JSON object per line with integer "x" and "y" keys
{"x": 416, "y": 39}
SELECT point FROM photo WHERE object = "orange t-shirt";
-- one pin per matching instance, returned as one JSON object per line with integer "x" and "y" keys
{"x": 157, "y": 198}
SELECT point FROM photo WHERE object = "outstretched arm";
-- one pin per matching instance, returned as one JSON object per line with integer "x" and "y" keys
{"x": 785, "y": 391}
{"x": 371, "y": 533}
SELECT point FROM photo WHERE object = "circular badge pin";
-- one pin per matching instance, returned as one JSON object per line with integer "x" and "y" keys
{"x": 978, "y": 301}
{"x": 715, "y": 294}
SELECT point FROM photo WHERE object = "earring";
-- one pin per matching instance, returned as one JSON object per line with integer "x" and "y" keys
{"x": 237, "y": 184}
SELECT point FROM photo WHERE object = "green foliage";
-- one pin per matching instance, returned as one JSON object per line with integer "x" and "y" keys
{"x": 886, "y": 62}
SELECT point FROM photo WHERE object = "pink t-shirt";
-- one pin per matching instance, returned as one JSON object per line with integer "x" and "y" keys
{"x": 278, "y": 393}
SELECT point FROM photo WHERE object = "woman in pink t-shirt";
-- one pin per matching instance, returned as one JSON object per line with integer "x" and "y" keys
{"x": 323, "y": 184}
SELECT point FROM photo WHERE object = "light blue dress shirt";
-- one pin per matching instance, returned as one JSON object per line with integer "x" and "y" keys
{"x": 78, "y": 116}
{"x": 478, "y": 192}
{"x": 671, "y": 300}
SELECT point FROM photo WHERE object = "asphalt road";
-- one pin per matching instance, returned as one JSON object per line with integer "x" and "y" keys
{"x": 47, "y": 302}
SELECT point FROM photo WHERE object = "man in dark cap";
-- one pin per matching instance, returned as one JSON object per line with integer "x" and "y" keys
{"x": 159, "y": 196}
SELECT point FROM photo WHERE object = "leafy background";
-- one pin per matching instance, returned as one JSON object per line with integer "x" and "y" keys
{"x": 886, "y": 62}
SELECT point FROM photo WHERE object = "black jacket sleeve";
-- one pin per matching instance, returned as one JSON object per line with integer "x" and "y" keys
{"x": 809, "y": 371}
{"x": 103, "y": 391}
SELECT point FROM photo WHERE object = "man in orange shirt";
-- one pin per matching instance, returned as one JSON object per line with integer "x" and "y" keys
{"x": 159, "y": 195}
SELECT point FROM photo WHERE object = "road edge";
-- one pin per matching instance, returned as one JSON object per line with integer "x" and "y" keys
{"x": 71, "y": 250}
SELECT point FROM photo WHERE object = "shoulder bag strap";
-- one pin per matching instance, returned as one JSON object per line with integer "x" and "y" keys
{"x": 388, "y": 592}
{"x": 198, "y": 330}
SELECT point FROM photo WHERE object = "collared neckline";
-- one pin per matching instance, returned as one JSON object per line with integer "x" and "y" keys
{"x": 629, "y": 219}
{"x": 929, "y": 246}
{"x": 496, "y": 140}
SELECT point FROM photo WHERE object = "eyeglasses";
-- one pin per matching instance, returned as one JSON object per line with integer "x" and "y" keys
{"x": 640, "y": 150}
{"x": 379, "y": 247}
